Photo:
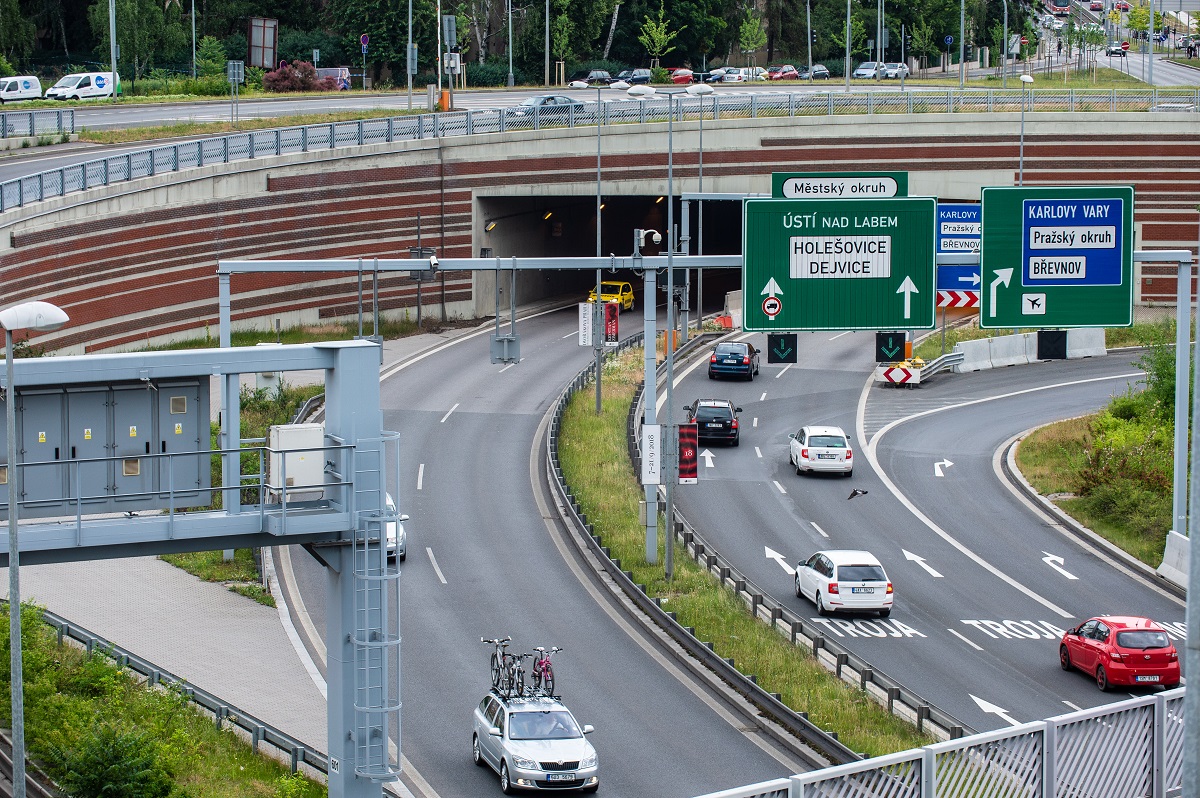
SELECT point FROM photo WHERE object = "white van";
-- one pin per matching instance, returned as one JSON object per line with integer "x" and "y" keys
{"x": 22, "y": 87}
{"x": 84, "y": 85}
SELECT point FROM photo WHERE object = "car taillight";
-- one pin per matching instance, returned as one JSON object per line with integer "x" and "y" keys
{"x": 745, "y": 360}
{"x": 889, "y": 588}
{"x": 713, "y": 359}
{"x": 1115, "y": 655}
{"x": 734, "y": 424}
{"x": 849, "y": 454}
{"x": 1172, "y": 655}
{"x": 804, "y": 453}
{"x": 833, "y": 587}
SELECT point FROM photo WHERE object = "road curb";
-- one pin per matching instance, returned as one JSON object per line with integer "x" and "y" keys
{"x": 1060, "y": 517}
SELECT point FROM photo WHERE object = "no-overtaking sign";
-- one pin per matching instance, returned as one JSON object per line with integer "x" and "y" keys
{"x": 838, "y": 264}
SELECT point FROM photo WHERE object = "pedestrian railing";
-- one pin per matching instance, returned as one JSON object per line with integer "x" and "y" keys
{"x": 1130, "y": 748}
{"x": 25, "y": 124}
{"x": 742, "y": 105}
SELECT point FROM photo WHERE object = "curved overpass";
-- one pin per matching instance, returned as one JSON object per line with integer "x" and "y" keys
{"x": 134, "y": 263}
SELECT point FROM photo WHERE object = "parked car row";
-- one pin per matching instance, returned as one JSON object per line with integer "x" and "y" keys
{"x": 78, "y": 86}
{"x": 880, "y": 69}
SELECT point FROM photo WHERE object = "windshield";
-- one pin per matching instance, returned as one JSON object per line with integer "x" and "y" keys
{"x": 610, "y": 288}
{"x": 1142, "y": 639}
{"x": 68, "y": 82}
{"x": 543, "y": 725}
{"x": 860, "y": 573}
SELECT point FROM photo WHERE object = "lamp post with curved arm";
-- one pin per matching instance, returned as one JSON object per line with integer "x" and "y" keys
{"x": 25, "y": 316}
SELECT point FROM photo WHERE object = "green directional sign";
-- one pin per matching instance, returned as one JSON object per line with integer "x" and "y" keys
{"x": 1057, "y": 257}
{"x": 782, "y": 348}
{"x": 838, "y": 185}
{"x": 838, "y": 264}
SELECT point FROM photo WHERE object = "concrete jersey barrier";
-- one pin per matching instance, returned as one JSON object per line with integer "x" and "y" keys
{"x": 1022, "y": 348}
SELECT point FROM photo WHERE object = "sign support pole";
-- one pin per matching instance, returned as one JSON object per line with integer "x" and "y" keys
{"x": 649, "y": 388}
{"x": 1183, "y": 329}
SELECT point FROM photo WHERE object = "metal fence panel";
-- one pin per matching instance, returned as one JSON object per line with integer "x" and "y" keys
{"x": 892, "y": 776}
{"x": 1172, "y": 748}
{"x": 1008, "y": 767}
{"x": 1107, "y": 753}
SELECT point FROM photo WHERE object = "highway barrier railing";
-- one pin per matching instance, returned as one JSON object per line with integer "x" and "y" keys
{"x": 745, "y": 105}
{"x": 795, "y": 723}
{"x": 284, "y": 747}
{"x": 27, "y": 124}
{"x": 1132, "y": 747}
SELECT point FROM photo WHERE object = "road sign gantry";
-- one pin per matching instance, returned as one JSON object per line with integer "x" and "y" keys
{"x": 836, "y": 264}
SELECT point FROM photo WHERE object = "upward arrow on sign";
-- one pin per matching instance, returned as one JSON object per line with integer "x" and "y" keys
{"x": 772, "y": 288}
{"x": 908, "y": 288}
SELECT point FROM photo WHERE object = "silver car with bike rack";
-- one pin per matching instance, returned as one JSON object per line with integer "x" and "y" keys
{"x": 534, "y": 743}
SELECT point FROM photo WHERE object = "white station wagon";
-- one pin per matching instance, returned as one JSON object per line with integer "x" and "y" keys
{"x": 845, "y": 579}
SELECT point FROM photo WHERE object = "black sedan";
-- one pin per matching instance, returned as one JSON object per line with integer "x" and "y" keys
{"x": 819, "y": 72}
{"x": 715, "y": 420}
{"x": 733, "y": 358}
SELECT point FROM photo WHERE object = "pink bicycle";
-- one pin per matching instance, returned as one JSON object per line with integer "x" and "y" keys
{"x": 543, "y": 671}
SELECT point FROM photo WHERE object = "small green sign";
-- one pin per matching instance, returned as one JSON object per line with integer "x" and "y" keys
{"x": 1057, "y": 257}
{"x": 838, "y": 264}
{"x": 838, "y": 185}
{"x": 782, "y": 348}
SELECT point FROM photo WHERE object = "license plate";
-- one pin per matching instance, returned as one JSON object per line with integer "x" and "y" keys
{"x": 1145, "y": 678}
{"x": 560, "y": 777}
{"x": 716, "y": 424}
{"x": 864, "y": 590}
{"x": 827, "y": 457}
{"x": 732, "y": 362}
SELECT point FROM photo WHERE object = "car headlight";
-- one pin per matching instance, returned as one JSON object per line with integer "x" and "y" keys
{"x": 589, "y": 761}
{"x": 525, "y": 764}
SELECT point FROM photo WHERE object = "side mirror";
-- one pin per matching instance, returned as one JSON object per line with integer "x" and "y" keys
{"x": 737, "y": 410}
{"x": 791, "y": 436}
{"x": 495, "y": 731}
{"x": 401, "y": 517}
{"x": 588, "y": 728}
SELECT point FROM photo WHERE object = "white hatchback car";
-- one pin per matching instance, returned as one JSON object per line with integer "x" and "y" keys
{"x": 845, "y": 579}
{"x": 821, "y": 449}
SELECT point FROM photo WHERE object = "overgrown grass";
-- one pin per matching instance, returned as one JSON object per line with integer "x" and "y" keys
{"x": 97, "y": 730}
{"x": 596, "y": 465}
{"x": 241, "y": 574}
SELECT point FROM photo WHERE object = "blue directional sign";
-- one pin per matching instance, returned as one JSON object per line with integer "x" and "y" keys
{"x": 958, "y": 278}
{"x": 1072, "y": 242}
{"x": 959, "y": 227}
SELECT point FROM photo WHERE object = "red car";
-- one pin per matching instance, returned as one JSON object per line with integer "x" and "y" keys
{"x": 682, "y": 75}
{"x": 1121, "y": 5}
{"x": 1121, "y": 650}
{"x": 782, "y": 72}
{"x": 1097, "y": 5}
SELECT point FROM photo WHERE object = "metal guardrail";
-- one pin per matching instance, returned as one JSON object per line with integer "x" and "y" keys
{"x": 747, "y": 105}
{"x": 24, "y": 124}
{"x": 289, "y": 749}
{"x": 942, "y": 363}
{"x": 825, "y": 743}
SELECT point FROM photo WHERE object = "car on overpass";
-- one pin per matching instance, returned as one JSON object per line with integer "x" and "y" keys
{"x": 1121, "y": 650}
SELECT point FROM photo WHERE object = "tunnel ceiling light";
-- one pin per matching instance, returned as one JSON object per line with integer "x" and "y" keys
{"x": 490, "y": 227}
{"x": 548, "y": 215}
{"x": 660, "y": 199}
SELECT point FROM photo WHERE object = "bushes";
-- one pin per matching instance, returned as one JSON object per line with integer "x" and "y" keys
{"x": 296, "y": 76}
{"x": 107, "y": 762}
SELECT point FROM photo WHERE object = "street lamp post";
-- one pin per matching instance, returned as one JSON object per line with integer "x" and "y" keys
{"x": 671, "y": 436}
{"x": 1025, "y": 81}
{"x": 510, "y": 72}
{"x": 1004, "y": 56}
{"x": 597, "y": 311}
{"x": 26, "y": 316}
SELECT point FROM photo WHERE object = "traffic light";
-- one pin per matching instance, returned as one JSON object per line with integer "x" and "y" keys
{"x": 812, "y": 36}
{"x": 907, "y": 41}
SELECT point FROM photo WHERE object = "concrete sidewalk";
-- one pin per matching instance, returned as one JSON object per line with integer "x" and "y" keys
{"x": 244, "y": 653}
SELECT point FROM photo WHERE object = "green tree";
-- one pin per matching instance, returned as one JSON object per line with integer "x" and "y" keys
{"x": 146, "y": 33}
{"x": 210, "y": 57}
{"x": 561, "y": 29}
{"x": 751, "y": 36}
{"x": 17, "y": 31}
{"x": 858, "y": 38}
{"x": 656, "y": 35}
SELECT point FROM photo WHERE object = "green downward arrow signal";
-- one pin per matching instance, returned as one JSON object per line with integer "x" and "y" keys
{"x": 890, "y": 349}
{"x": 782, "y": 353}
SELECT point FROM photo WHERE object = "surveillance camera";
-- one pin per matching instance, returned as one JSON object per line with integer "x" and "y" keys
{"x": 657, "y": 237}
{"x": 433, "y": 261}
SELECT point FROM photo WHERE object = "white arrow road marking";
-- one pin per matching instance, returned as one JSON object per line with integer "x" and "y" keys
{"x": 1003, "y": 276}
{"x": 772, "y": 288}
{"x": 992, "y": 709}
{"x": 824, "y": 534}
{"x": 908, "y": 288}
{"x": 781, "y": 488}
{"x": 708, "y": 458}
{"x": 777, "y": 557}
{"x": 937, "y": 467}
{"x": 1057, "y": 563}
{"x": 919, "y": 560}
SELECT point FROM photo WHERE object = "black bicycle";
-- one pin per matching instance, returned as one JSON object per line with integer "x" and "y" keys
{"x": 501, "y": 664}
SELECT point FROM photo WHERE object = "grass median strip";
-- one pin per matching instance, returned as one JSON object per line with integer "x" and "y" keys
{"x": 595, "y": 462}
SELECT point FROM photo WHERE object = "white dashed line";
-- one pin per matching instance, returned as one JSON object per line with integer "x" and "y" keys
{"x": 420, "y": 475}
{"x": 568, "y": 335}
{"x": 448, "y": 412}
{"x": 839, "y": 335}
{"x": 781, "y": 489}
{"x": 763, "y": 397}
{"x": 824, "y": 534}
{"x": 758, "y": 452}
{"x": 785, "y": 368}
{"x": 965, "y": 640}
{"x": 506, "y": 368}
{"x": 1075, "y": 707}
{"x": 433, "y": 561}
{"x": 755, "y": 422}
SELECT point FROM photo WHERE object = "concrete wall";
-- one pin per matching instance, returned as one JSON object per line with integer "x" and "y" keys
{"x": 135, "y": 263}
